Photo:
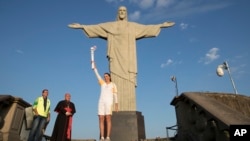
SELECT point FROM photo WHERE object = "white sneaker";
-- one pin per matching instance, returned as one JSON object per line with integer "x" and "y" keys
{"x": 107, "y": 139}
{"x": 102, "y": 139}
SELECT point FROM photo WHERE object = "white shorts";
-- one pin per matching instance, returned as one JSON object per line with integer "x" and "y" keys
{"x": 105, "y": 108}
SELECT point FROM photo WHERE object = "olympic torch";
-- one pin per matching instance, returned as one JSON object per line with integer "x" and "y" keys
{"x": 92, "y": 51}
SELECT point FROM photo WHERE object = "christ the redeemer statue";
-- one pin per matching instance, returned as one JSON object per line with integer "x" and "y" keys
{"x": 121, "y": 36}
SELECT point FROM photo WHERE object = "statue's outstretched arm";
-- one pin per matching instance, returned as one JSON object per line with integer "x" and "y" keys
{"x": 167, "y": 24}
{"x": 75, "y": 25}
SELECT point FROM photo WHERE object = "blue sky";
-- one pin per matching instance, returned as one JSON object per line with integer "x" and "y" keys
{"x": 38, "y": 50}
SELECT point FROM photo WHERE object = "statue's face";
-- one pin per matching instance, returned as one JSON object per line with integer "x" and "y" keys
{"x": 122, "y": 13}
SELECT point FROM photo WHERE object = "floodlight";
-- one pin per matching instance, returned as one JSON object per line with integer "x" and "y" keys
{"x": 220, "y": 73}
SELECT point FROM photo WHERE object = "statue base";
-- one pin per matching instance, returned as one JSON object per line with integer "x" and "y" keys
{"x": 127, "y": 126}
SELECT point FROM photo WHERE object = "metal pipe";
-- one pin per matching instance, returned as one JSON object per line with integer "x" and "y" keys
{"x": 226, "y": 66}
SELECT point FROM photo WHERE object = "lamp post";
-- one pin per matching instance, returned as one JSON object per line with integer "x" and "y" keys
{"x": 174, "y": 79}
{"x": 220, "y": 73}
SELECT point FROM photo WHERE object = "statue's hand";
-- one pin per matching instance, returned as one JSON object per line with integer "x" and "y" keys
{"x": 167, "y": 24}
{"x": 75, "y": 25}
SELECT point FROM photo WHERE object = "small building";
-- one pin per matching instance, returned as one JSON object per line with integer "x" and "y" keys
{"x": 205, "y": 116}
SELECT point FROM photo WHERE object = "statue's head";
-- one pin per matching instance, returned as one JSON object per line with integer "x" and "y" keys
{"x": 122, "y": 14}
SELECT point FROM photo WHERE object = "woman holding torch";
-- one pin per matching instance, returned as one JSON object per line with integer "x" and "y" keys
{"x": 108, "y": 95}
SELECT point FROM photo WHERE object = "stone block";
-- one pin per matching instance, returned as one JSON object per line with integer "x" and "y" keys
{"x": 127, "y": 126}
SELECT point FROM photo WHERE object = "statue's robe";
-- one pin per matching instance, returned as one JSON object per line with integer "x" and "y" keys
{"x": 121, "y": 39}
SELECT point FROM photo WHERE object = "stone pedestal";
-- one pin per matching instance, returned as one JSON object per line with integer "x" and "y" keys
{"x": 12, "y": 113}
{"x": 127, "y": 126}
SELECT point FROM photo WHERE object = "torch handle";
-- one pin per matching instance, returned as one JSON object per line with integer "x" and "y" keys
{"x": 92, "y": 51}
{"x": 92, "y": 59}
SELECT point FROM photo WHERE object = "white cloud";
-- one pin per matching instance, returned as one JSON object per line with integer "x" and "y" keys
{"x": 114, "y": 1}
{"x": 163, "y": 3}
{"x": 167, "y": 63}
{"x": 134, "y": 16}
{"x": 165, "y": 9}
{"x": 19, "y": 51}
{"x": 183, "y": 26}
{"x": 158, "y": 10}
{"x": 192, "y": 39}
{"x": 210, "y": 56}
{"x": 144, "y": 4}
